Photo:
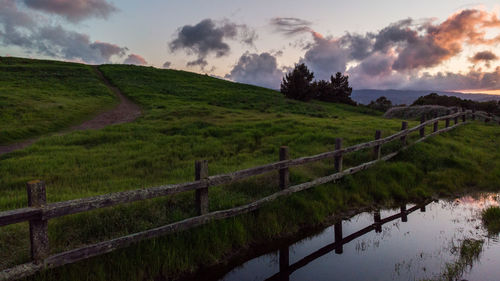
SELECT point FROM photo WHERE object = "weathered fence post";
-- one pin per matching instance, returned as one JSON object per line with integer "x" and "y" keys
{"x": 422, "y": 130}
{"x": 404, "y": 126}
{"x": 473, "y": 114}
{"x": 201, "y": 195}
{"x": 447, "y": 124}
{"x": 464, "y": 115}
{"x": 38, "y": 228}
{"x": 378, "y": 148}
{"x": 338, "y": 158}
{"x": 285, "y": 172}
{"x": 435, "y": 129}
{"x": 404, "y": 215}
{"x": 339, "y": 249}
{"x": 455, "y": 120}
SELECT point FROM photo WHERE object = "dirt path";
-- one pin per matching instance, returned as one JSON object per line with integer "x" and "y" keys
{"x": 125, "y": 111}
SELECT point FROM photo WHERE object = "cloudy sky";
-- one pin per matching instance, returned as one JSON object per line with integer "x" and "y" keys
{"x": 386, "y": 44}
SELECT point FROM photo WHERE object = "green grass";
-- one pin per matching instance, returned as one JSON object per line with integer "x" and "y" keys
{"x": 234, "y": 126}
{"x": 491, "y": 219}
{"x": 39, "y": 97}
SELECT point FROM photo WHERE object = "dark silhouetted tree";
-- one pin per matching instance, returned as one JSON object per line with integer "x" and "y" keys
{"x": 382, "y": 104}
{"x": 320, "y": 88}
{"x": 339, "y": 90}
{"x": 297, "y": 83}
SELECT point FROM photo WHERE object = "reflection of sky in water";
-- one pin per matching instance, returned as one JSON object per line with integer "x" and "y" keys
{"x": 413, "y": 250}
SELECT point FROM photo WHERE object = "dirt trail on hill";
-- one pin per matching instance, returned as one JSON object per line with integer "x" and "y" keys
{"x": 126, "y": 111}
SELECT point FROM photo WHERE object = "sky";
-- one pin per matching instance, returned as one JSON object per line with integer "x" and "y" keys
{"x": 387, "y": 44}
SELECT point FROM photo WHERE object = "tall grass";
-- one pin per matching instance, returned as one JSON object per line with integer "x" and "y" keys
{"x": 234, "y": 126}
{"x": 39, "y": 97}
{"x": 491, "y": 219}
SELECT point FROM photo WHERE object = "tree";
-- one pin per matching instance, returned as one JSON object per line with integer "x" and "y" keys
{"x": 297, "y": 83}
{"x": 339, "y": 90}
{"x": 382, "y": 104}
{"x": 320, "y": 88}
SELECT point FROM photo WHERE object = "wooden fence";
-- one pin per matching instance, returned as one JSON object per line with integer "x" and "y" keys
{"x": 39, "y": 211}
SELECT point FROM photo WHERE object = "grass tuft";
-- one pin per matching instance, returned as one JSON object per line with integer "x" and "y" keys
{"x": 491, "y": 219}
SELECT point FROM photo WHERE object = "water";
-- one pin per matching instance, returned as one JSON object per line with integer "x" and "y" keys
{"x": 417, "y": 249}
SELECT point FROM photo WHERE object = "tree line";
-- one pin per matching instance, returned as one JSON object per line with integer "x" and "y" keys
{"x": 492, "y": 107}
{"x": 298, "y": 84}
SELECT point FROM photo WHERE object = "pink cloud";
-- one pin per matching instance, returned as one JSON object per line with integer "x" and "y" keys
{"x": 74, "y": 10}
{"x": 135, "y": 59}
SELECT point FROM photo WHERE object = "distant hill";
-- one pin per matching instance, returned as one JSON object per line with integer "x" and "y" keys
{"x": 407, "y": 97}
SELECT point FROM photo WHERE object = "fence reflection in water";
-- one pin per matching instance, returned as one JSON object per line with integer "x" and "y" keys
{"x": 285, "y": 269}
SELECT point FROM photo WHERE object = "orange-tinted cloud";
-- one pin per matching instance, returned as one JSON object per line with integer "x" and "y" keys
{"x": 427, "y": 45}
{"x": 394, "y": 56}
{"x": 135, "y": 59}
{"x": 464, "y": 27}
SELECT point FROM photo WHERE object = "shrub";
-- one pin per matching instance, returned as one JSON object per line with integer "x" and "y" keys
{"x": 381, "y": 104}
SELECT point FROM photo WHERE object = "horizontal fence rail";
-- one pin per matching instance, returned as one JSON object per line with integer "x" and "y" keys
{"x": 40, "y": 212}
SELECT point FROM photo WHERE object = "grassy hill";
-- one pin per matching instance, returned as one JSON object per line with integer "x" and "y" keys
{"x": 188, "y": 117}
{"x": 39, "y": 97}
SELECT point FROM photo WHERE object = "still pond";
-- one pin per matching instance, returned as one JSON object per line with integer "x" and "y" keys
{"x": 443, "y": 240}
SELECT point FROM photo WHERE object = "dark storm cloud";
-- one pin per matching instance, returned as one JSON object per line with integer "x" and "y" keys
{"x": 485, "y": 56}
{"x": 201, "y": 62}
{"x": 375, "y": 71}
{"x": 167, "y": 64}
{"x": 13, "y": 21}
{"x": 107, "y": 49}
{"x": 398, "y": 32}
{"x": 56, "y": 41}
{"x": 291, "y": 26}
{"x": 474, "y": 79}
{"x": 11, "y": 16}
{"x": 377, "y": 64}
{"x": 22, "y": 28}
{"x": 359, "y": 46}
{"x": 325, "y": 57}
{"x": 257, "y": 69}
{"x": 74, "y": 10}
{"x": 208, "y": 37}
